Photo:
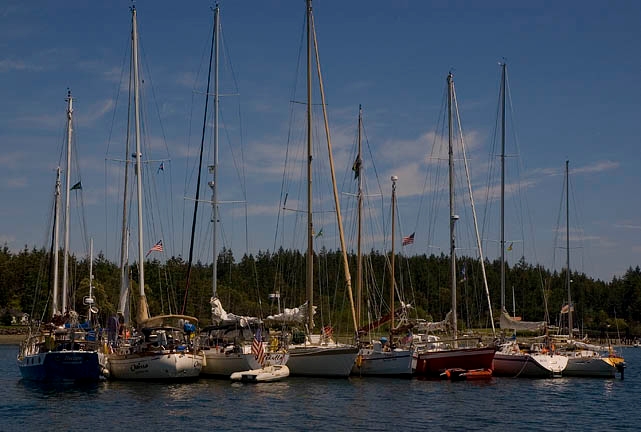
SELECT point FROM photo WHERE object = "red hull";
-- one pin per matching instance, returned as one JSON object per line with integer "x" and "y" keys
{"x": 435, "y": 362}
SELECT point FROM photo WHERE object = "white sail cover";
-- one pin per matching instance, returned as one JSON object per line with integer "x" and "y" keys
{"x": 220, "y": 316}
{"x": 436, "y": 326}
{"x": 507, "y": 322}
{"x": 294, "y": 315}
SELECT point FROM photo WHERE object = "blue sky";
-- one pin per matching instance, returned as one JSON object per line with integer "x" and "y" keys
{"x": 574, "y": 71}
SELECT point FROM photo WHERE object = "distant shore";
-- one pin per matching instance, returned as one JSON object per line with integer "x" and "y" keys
{"x": 13, "y": 335}
{"x": 11, "y": 339}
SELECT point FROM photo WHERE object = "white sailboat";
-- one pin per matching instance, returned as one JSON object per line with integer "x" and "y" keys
{"x": 227, "y": 343}
{"x": 164, "y": 349}
{"x": 510, "y": 360}
{"x": 379, "y": 357}
{"x": 317, "y": 354}
{"x": 62, "y": 349}
{"x": 584, "y": 360}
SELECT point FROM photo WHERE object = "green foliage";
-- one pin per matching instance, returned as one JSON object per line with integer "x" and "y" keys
{"x": 244, "y": 287}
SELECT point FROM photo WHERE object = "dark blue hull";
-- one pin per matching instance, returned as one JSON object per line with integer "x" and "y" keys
{"x": 61, "y": 366}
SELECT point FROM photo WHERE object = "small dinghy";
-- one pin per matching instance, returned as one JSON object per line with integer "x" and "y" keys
{"x": 458, "y": 374}
{"x": 266, "y": 374}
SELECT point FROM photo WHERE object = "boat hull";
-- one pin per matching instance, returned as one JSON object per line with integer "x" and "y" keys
{"x": 528, "y": 365}
{"x": 219, "y": 363}
{"x": 433, "y": 363}
{"x": 155, "y": 366}
{"x": 322, "y": 361}
{"x": 58, "y": 366}
{"x": 597, "y": 367}
{"x": 384, "y": 363}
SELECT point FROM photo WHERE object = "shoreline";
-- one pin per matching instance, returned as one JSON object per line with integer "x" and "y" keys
{"x": 13, "y": 339}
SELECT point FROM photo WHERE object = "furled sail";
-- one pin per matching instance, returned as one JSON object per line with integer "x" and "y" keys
{"x": 294, "y": 315}
{"x": 220, "y": 316}
{"x": 507, "y": 322}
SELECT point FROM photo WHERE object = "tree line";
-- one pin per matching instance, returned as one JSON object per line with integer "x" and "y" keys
{"x": 244, "y": 288}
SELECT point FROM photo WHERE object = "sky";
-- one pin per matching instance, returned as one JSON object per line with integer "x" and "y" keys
{"x": 574, "y": 71}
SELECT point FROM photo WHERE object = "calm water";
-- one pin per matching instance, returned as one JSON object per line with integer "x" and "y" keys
{"x": 324, "y": 404}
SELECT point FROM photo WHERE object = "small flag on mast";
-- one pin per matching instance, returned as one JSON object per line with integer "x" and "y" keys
{"x": 161, "y": 167}
{"x": 408, "y": 240}
{"x": 509, "y": 248}
{"x": 320, "y": 233}
{"x": 77, "y": 186}
{"x": 155, "y": 248}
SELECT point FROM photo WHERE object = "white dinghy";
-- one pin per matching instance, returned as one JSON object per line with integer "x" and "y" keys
{"x": 265, "y": 374}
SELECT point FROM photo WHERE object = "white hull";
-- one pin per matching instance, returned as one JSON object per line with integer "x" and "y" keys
{"x": 589, "y": 365}
{"x": 529, "y": 365}
{"x": 223, "y": 364}
{"x": 155, "y": 366}
{"x": 266, "y": 374}
{"x": 322, "y": 360}
{"x": 372, "y": 362}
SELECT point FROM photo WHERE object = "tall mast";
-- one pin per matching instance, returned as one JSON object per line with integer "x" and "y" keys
{"x": 65, "y": 269}
{"x": 359, "y": 252}
{"x": 453, "y": 216}
{"x": 567, "y": 243}
{"x": 213, "y": 52}
{"x": 56, "y": 225}
{"x": 90, "y": 279}
{"x": 332, "y": 170}
{"x": 213, "y": 169}
{"x": 392, "y": 279}
{"x": 503, "y": 79}
{"x": 143, "y": 311}
{"x": 310, "y": 226}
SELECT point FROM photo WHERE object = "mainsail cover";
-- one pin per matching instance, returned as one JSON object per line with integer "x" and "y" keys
{"x": 289, "y": 316}
{"x": 444, "y": 325}
{"x": 220, "y": 316}
{"x": 507, "y": 322}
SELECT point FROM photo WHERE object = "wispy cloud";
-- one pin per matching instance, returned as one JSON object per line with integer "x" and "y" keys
{"x": 9, "y": 65}
{"x": 596, "y": 167}
{"x": 628, "y": 226}
{"x": 16, "y": 183}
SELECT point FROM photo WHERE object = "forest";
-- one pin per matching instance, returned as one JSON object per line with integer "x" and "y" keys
{"x": 244, "y": 287}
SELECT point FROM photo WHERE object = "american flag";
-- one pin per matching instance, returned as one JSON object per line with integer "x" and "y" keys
{"x": 155, "y": 248}
{"x": 408, "y": 240}
{"x": 257, "y": 348}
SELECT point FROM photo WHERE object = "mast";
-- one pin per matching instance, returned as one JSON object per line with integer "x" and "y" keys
{"x": 56, "y": 225}
{"x": 213, "y": 52}
{"x": 310, "y": 226}
{"x": 359, "y": 251}
{"x": 453, "y": 216}
{"x": 143, "y": 311}
{"x": 503, "y": 79}
{"x": 392, "y": 279}
{"x": 567, "y": 243}
{"x": 213, "y": 169}
{"x": 65, "y": 269}
{"x": 90, "y": 279}
{"x": 337, "y": 204}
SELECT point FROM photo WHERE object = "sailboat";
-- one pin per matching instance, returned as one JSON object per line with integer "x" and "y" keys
{"x": 539, "y": 361}
{"x": 378, "y": 357}
{"x": 584, "y": 360}
{"x": 164, "y": 347}
{"x": 317, "y": 354}
{"x": 227, "y": 343}
{"x": 436, "y": 358}
{"x": 62, "y": 349}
